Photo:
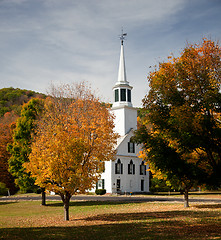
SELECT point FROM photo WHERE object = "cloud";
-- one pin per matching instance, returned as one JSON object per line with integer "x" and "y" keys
{"x": 69, "y": 40}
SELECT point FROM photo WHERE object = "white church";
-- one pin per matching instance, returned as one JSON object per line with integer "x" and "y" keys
{"x": 127, "y": 173}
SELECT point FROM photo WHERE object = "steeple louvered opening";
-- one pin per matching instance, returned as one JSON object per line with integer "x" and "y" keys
{"x": 122, "y": 95}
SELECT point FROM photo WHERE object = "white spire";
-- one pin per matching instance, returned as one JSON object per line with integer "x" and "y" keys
{"x": 122, "y": 69}
{"x": 122, "y": 89}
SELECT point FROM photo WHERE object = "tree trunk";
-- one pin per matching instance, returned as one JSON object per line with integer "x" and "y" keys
{"x": 66, "y": 211}
{"x": 66, "y": 200}
{"x": 186, "y": 197}
{"x": 43, "y": 197}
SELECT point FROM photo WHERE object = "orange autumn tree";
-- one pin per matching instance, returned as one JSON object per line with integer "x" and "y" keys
{"x": 5, "y": 139}
{"x": 73, "y": 140}
{"x": 7, "y": 123}
{"x": 181, "y": 131}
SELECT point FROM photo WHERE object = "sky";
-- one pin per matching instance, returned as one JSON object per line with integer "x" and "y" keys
{"x": 44, "y": 42}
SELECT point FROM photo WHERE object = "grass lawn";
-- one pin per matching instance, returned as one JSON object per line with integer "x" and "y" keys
{"x": 109, "y": 220}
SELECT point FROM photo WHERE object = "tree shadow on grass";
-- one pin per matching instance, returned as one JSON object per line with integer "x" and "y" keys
{"x": 166, "y": 230}
{"x": 5, "y": 203}
{"x": 86, "y": 203}
{"x": 214, "y": 206}
{"x": 153, "y": 216}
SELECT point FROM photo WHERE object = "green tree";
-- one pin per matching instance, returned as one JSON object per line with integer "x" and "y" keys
{"x": 181, "y": 130}
{"x": 20, "y": 147}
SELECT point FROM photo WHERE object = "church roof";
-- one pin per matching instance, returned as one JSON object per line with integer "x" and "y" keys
{"x": 122, "y": 138}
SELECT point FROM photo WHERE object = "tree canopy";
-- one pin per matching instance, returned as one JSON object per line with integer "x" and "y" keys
{"x": 74, "y": 138}
{"x": 181, "y": 127}
{"x": 12, "y": 99}
{"x": 11, "y": 102}
{"x": 20, "y": 148}
{"x": 5, "y": 139}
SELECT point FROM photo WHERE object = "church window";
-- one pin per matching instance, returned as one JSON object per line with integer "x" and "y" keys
{"x": 118, "y": 167}
{"x": 128, "y": 95}
{"x": 131, "y": 167}
{"x": 100, "y": 184}
{"x": 116, "y": 93}
{"x": 123, "y": 95}
{"x": 131, "y": 147}
{"x": 142, "y": 169}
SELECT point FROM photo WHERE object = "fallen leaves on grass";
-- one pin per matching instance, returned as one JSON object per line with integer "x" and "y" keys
{"x": 133, "y": 219}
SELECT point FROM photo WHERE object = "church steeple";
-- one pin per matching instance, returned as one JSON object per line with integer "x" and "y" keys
{"x": 122, "y": 89}
{"x": 122, "y": 70}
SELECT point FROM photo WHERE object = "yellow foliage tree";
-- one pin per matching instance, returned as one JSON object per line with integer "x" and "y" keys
{"x": 73, "y": 140}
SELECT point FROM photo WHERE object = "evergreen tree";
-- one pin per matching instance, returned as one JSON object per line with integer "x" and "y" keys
{"x": 22, "y": 139}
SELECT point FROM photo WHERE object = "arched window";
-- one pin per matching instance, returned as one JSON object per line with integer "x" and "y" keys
{"x": 118, "y": 167}
{"x": 131, "y": 167}
{"x": 142, "y": 168}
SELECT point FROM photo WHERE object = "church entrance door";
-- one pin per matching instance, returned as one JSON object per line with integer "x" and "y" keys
{"x": 118, "y": 185}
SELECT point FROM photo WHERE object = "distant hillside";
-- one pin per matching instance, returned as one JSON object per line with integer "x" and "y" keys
{"x": 11, "y": 99}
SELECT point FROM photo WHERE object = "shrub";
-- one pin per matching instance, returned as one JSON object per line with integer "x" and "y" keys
{"x": 100, "y": 191}
{"x": 38, "y": 190}
{"x": 159, "y": 185}
{"x": 3, "y": 189}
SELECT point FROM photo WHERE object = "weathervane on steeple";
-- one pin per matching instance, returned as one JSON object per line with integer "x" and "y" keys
{"x": 122, "y": 37}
